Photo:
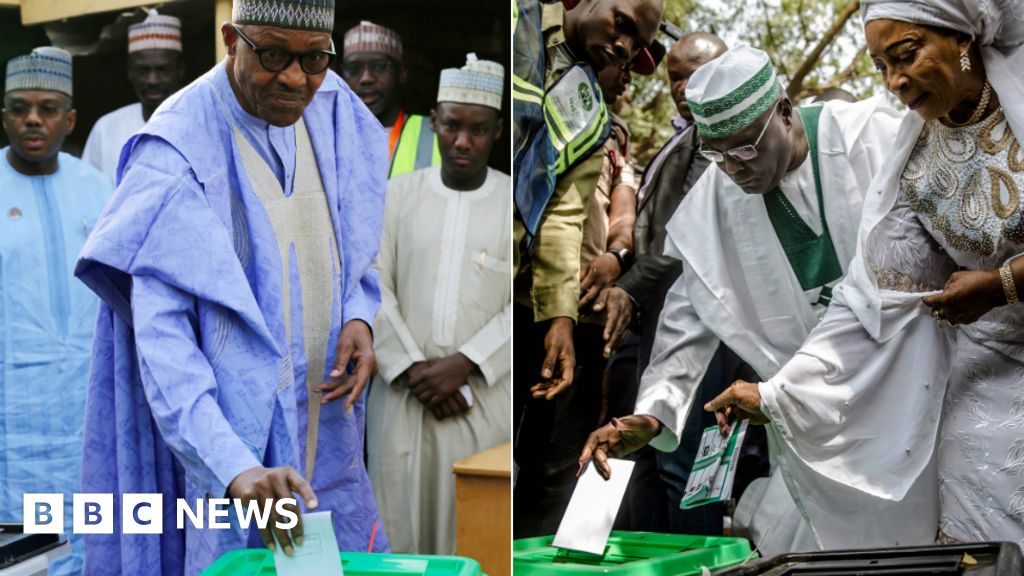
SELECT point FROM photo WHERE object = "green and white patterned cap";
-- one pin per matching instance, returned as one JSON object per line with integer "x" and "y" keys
{"x": 46, "y": 68}
{"x": 728, "y": 93}
{"x": 479, "y": 82}
{"x": 315, "y": 15}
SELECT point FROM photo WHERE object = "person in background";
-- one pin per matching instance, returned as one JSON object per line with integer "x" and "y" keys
{"x": 49, "y": 205}
{"x": 571, "y": 36}
{"x": 835, "y": 94}
{"x": 373, "y": 67}
{"x": 156, "y": 70}
{"x": 443, "y": 334}
{"x": 235, "y": 267}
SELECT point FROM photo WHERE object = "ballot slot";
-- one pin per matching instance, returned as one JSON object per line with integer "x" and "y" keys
{"x": 904, "y": 566}
{"x": 982, "y": 559}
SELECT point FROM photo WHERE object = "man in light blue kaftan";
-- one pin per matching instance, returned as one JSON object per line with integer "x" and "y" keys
{"x": 234, "y": 267}
{"x": 49, "y": 201}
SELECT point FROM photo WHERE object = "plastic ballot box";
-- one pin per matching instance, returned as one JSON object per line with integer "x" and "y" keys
{"x": 633, "y": 554}
{"x": 29, "y": 554}
{"x": 260, "y": 562}
{"x": 483, "y": 508}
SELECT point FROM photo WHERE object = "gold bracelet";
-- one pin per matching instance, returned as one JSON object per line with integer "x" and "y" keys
{"x": 1009, "y": 286}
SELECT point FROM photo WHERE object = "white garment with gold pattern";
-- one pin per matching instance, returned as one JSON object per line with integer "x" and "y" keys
{"x": 965, "y": 185}
{"x": 859, "y": 406}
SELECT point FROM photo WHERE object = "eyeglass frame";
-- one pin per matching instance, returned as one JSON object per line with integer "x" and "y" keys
{"x": 390, "y": 64}
{"x": 719, "y": 157}
{"x": 292, "y": 56}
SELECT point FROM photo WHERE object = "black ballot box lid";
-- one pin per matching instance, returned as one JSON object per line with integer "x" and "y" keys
{"x": 16, "y": 546}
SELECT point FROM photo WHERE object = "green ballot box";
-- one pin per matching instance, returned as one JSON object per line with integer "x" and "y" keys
{"x": 260, "y": 562}
{"x": 632, "y": 554}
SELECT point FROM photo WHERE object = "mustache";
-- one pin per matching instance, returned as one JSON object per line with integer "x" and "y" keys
{"x": 32, "y": 133}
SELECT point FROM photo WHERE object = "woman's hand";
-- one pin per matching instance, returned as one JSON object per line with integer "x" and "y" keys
{"x": 968, "y": 295}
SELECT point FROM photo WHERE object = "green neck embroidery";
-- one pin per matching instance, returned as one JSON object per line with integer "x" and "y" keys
{"x": 812, "y": 257}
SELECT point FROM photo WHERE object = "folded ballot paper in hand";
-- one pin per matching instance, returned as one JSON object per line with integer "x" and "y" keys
{"x": 588, "y": 519}
{"x": 714, "y": 468}
{"x": 318, "y": 553}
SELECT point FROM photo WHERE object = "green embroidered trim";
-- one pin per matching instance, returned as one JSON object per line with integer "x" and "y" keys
{"x": 730, "y": 100}
{"x": 743, "y": 119}
{"x": 812, "y": 258}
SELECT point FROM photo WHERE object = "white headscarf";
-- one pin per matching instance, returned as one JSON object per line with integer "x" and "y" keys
{"x": 996, "y": 25}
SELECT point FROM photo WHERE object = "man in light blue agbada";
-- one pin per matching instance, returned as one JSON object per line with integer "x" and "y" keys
{"x": 234, "y": 268}
{"x": 49, "y": 201}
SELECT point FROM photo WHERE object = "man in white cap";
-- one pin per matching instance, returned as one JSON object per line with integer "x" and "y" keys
{"x": 156, "y": 70}
{"x": 763, "y": 236}
{"x": 235, "y": 266}
{"x": 50, "y": 203}
{"x": 374, "y": 69}
{"x": 443, "y": 331}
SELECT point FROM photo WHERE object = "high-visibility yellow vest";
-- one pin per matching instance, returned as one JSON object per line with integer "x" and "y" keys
{"x": 416, "y": 147}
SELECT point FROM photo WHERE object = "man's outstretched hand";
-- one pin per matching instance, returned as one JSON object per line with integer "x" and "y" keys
{"x": 740, "y": 400}
{"x": 272, "y": 484}
{"x": 618, "y": 438}
{"x": 559, "y": 361}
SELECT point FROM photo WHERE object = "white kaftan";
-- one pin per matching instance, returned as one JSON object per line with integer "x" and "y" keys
{"x": 445, "y": 276}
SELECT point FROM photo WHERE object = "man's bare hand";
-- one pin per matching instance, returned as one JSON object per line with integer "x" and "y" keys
{"x": 602, "y": 273}
{"x": 740, "y": 400}
{"x": 451, "y": 406}
{"x": 441, "y": 379}
{"x": 261, "y": 484}
{"x": 618, "y": 438}
{"x": 620, "y": 313}
{"x": 559, "y": 360}
{"x": 355, "y": 345}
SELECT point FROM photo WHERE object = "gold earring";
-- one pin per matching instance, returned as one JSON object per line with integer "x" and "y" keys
{"x": 965, "y": 61}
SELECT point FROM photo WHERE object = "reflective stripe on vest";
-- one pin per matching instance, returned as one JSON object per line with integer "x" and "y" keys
{"x": 575, "y": 124}
{"x": 417, "y": 147}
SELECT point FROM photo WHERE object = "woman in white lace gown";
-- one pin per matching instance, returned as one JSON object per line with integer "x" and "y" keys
{"x": 943, "y": 225}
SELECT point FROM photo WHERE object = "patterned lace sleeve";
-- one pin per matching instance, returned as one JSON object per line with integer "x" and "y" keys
{"x": 902, "y": 254}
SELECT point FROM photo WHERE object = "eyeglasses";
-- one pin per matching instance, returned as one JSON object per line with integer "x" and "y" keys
{"x": 355, "y": 70}
{"x": 277, "y": 60}
{"x": 741, "y": 153}
{"x": 46, "y": 110}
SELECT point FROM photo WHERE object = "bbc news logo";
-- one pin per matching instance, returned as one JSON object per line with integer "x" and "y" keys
{"x": 144, "y": 513}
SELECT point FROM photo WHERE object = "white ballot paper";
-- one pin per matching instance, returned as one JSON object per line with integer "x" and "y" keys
{"x": 588, "y": 520}
{"x": 715, "y": 467}
{"x": 318, "y": 553}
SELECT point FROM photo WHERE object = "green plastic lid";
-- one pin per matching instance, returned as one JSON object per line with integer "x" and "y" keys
{"x": 260, "y": 562}
{"x": 633, "y": 553}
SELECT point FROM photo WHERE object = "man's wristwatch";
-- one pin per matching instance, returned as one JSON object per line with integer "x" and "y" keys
{"x": 624, "y": 256}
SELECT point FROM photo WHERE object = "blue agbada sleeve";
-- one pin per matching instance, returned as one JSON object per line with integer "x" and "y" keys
{"x": 178, "y": 380}
{"x": 181, "y": 387}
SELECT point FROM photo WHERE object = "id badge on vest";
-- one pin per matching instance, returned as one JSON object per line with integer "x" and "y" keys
{"x": 576, "y": 116}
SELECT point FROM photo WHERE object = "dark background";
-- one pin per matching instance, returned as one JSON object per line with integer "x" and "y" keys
{"x": 435, "y": 35}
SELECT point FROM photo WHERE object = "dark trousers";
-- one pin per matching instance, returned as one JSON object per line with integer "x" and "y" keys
{"x": 550, "y": 434}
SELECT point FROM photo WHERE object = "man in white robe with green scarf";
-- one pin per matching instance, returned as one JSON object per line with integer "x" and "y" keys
{"x": 764, "y": 235}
